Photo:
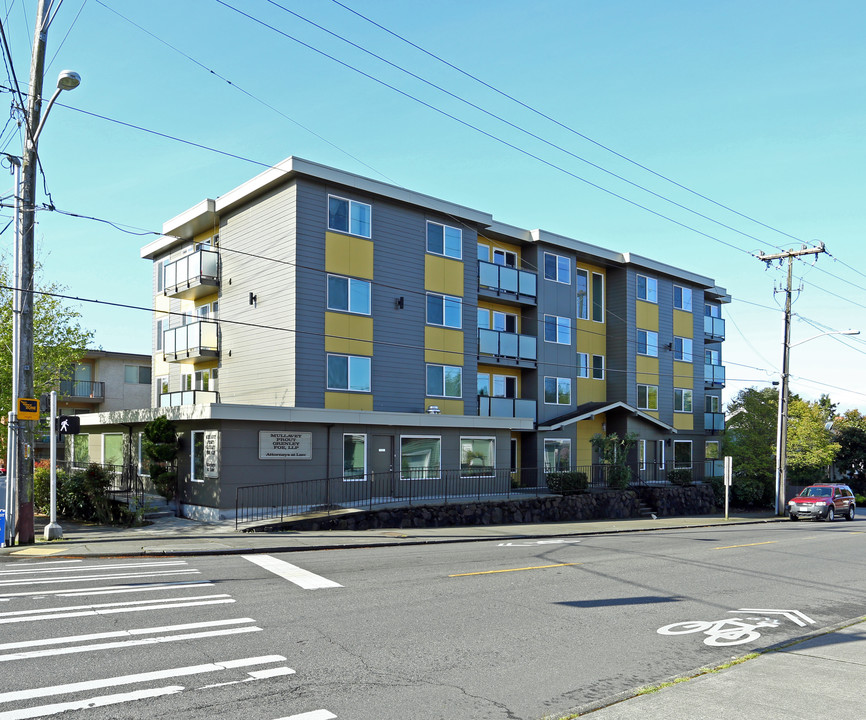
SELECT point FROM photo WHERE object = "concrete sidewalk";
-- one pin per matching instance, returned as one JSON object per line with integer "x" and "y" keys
{"x": 179, "y": 536}
{"x": 817, "y": 677}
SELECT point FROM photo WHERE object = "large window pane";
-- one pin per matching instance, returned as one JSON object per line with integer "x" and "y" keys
{"x": 557, "y": 455}
{"x": 338, "y": 372}
{"x": 354, "y": 457}
{"x": 338, "y": 293}
{"x": 338, "y": 214}
{"x": 360, "y": 219}
{"x": 582, "y": 294}
{"x": 359, "y": 374}
{"x": 112, "y": 449}
{"x": 419, "y": 457}
{"x": 598, "y": 297}
{"x": 477, "y": 456}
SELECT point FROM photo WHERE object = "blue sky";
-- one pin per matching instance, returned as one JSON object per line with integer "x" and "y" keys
{"x": 759, "y": 107}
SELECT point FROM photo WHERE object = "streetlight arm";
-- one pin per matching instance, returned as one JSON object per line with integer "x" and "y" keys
{"x": 48, "y": 107}
{"x": 831, "y": 332}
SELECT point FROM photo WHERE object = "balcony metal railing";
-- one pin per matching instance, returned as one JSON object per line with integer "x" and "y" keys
{"x": 508, "y": 280}
{"x": 714, "y": 421}
{"x": 198, "y": 269}
{"x": 194, "y": 340}
{"x": 714, "y": 375}
{"x": 714, "y": 327}
{"x": 509, "y": 345}
{"x": 188, "y": 397}
{"x": 506, "y": 407}
{"x": 79, "y": 389}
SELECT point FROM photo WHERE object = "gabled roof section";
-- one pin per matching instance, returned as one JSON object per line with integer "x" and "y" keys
{"x": 587, "y": 411}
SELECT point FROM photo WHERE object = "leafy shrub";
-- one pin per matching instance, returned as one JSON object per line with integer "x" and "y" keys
{"x": 618, "y": 477}
{"x": 751, "y": 492}
{"x": 160, "y": 450}
{"x": 567, "y": 482}
{"x": 680, "y": 476}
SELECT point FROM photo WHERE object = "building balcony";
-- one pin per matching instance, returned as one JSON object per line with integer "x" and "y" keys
{"x": 510, "y": 347}
{"x": 189, "y": 343}
{"x": 714, "y": 376}
{"x": 714, "y": 421}
{"x": 192, "y": 276}
{"x": 188, "y": 397}
{"x": 506, "y": 283}
{"x": 82, "y": 391}
{"x": 506, "y": 407}
{"x": 714, "y": 328}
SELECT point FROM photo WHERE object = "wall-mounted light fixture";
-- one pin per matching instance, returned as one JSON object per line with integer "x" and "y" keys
{"x": 253, "y": 300}
{"x": 398, "y": 303}
{"x": 433, "y": 410}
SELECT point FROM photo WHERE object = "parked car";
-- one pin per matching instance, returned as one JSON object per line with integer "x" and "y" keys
{"x": 823, "y": 502}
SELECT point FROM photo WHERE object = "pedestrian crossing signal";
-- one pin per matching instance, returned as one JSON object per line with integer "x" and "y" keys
{"x": 68, "y": 424}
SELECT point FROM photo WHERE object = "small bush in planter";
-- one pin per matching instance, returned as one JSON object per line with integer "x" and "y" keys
{"x": 680, "y": 476}
{"x": 567, "y": 482}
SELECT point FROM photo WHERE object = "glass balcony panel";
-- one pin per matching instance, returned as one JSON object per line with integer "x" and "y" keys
{"x": 170, "y": 277}
{"x": 488, "y": 342}
{"x": 488, "y": 274}
{"x": 508, "y": 344}
{"x": 508, "y": 279}
{"x": 209, "y": 264}
{"x": 714, "y": 326}
{"x": 528, "y": 347}
{"x": 527, "y": 283}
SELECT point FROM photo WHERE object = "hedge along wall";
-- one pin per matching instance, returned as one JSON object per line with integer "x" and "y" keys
{"x": 612, "y": 504}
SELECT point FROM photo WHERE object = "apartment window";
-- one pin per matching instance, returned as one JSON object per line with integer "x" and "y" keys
{"x": 160, "y": 274}
{"x": 504, "y": 386}
{"x": 215, "y": 309}
{"x": 683, "y": 454}
{"x": 162, "y": 384}
{"x": 557, "y": 455}
{"x": 477, "y": 456}
{"x": 712, "y": 450}
{"x": 597, "y": 297}
{"x": 647, "y": 343}
{"x": 712, "y": 357}
{"x": 557, "y": 329}
{"x": 349, "y": 372}
{"x": 598, "y": 367}
{"x": 354, "y": 456}
{"x": 712, "y": 403}
{"x": 197, "y": 455}
{"x": 683, "y": 349}
{"x": 647, "y": 289}
{"x": 186, "y": 377}
{"x": 582, "y": 365}
{"x": 557, "y": 268}
{"x": 202, "y": 311}
{"x": 159, "y": 331}
{"x": 444, "y": 381}
{"x": 348, "y": 216}
{"x": 484, "y": 252}
{"x": 682, "y": 400}
{"x": 137, "y": 374}
{"x": 557, "y": 391}
{"x": 647, "y": 397}
{"x": 682, "y": 298}
{"x": 444, "y": 240}
{"x": 582, "y": 282}
{"x": 348, "y": 294}
{"x": 483, "y": 318}
{"x": 641, "y": 454}
{"x": 206, "y": 379}
{"x": 713, "y": 310}
{"x": 420, "y": 457}
{"x": 81, "y": 449}
{"x": 505, "y": 257}
{"x": 504, "y": 322}
{"x": 112, "y": 449}
{"x": 660, "y": 454}
{"x": 483, "y": 384}
{"x": 444, "y": 310}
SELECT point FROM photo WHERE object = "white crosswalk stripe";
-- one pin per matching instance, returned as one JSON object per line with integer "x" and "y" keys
{"x": 292, "y": 573}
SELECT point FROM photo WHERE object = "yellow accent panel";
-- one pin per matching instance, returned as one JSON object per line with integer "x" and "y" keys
{"x": 651, "y": 413}
{"x": 348, "y": 334}
{"x": 592, "y": 269}
{"x": 447, "y": 406}
{"x": 347, "y": 255}
{"x": 443, "y": 275}
{"x": 443, "y": 345}
{"x": 647, "y": 371}
{"x": 590, "y": 339}
{"x": 589, "y": 390}
{"x": 348, "y": 401}
{"x": 684, "y": 374}
{"x": 684, "y": 421}
{"x": 208, "y": 365}
{"x": 585, "y": 430}
{"x": 684, "y": 323}
{"x": 647, "y": 317}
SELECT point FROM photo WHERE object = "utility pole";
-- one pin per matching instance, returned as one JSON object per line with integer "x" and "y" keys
{"x": 782, "y": 425}
{"x": 25, "y": 531}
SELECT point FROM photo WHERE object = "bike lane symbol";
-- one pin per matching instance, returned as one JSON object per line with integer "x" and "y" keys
{"x": 733, "y": 631}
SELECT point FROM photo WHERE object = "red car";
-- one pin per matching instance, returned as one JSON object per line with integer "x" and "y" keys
{"x": 823, "y": 502}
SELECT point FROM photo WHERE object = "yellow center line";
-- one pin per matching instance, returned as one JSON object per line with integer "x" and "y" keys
{"x": 491, "y": 572}
{"x": 728, "y": 547}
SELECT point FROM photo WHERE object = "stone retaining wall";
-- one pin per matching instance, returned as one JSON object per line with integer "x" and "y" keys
{"x": 610, "y": 504}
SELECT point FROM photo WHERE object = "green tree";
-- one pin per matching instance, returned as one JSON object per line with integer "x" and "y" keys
{"x": 59, "y": 341}
{"x": 160, "y": 450}
{"x": 614, "y": 452}
{"x": 750, "y": 439}
{"x": 811, "y": 449}
{"x": 850, "y": 432}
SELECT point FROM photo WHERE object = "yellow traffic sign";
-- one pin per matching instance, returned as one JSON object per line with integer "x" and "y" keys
{"x": 28, "y": 408}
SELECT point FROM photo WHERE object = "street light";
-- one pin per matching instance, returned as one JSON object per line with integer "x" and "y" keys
{"x": 22, "y": 350}
{"x": 782, "y": 425}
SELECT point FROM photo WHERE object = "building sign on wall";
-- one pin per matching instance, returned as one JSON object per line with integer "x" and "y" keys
{"x": 211, "y": 454}
{"x": 285, "y": 445}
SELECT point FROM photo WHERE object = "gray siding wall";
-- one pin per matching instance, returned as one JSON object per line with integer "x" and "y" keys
{"x": 621, "y": 297}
